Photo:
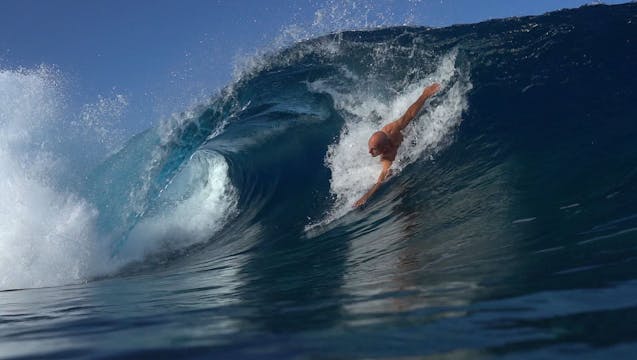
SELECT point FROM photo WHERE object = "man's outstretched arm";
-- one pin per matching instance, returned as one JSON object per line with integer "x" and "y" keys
{"x": 383, "y": 175}
{"x": 413, "y": 110}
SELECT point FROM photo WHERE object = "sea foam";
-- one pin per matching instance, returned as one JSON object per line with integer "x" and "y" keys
{"x": 365, "y": 111}
{"x": 50, "y": 232}
{"x": 47, "y": 235}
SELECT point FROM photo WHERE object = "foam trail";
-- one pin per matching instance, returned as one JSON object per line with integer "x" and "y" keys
{"x": 353, "y": 170}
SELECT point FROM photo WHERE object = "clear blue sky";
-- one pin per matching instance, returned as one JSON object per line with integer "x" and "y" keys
{"x": 160, "y": 54}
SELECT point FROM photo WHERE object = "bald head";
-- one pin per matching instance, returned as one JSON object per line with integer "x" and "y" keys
{"x": 378, "y": 143}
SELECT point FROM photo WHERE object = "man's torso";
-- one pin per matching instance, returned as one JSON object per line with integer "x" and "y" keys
{"x": 396, "y": 138}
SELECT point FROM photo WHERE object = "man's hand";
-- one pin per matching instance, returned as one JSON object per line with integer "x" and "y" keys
{"x": 431, "y": 89}
{"x": 360, "y": 202}
{"x": 383, "y": 175}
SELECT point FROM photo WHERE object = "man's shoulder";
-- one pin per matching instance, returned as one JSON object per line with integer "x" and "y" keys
{"x": 390, "y": 128}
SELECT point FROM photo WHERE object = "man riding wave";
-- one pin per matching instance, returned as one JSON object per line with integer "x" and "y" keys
{"x": 387, "y": 141}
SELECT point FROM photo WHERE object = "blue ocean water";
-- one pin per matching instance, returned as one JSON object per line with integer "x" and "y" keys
{"x": 507, "y": 230}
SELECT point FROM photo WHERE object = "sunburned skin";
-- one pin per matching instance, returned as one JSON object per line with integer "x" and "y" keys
{"x": 385, "y": 143}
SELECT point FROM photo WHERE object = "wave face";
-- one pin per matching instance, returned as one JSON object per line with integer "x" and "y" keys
{"x": 507, "y": 227}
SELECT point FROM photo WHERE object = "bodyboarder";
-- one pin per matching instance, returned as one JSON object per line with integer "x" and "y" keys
{"x": 387, "y": 141}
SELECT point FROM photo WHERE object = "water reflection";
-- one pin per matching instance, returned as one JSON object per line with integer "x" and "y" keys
{"x": 433, "y": 248}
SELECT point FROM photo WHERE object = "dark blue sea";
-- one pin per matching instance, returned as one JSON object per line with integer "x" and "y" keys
{"x": 507, "y": 230}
